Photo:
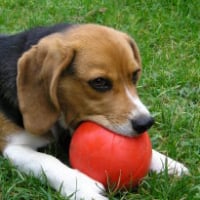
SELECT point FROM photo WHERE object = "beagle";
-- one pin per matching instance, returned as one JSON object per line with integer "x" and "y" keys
{"x": 64, "y": 75}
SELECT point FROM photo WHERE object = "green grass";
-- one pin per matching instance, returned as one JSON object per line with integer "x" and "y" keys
{"x": 168, "y": 34}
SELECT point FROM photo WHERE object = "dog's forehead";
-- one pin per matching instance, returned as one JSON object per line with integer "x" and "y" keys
{"x": 92, "y": 31}
{"x": 97, "y": 38}
{"x": 103, "y": 50}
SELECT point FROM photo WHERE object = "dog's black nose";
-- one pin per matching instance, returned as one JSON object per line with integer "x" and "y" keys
{"x": 143, "y": 123}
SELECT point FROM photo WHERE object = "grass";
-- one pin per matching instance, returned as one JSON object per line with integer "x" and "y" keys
{"x": 168, "y": 35}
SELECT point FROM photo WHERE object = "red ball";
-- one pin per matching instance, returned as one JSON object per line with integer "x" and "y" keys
{"x": 110, "y": 158}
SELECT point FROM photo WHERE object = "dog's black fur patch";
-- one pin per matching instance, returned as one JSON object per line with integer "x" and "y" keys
{"x": 11, "y": 49}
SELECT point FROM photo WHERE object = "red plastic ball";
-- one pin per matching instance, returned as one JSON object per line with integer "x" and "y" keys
{"x": 110, "y": 158}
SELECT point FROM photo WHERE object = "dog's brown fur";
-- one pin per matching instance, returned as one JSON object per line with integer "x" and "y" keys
{"x": 6, "y": 128}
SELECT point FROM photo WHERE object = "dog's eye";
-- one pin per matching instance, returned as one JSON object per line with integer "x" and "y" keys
{"x": 100, "y": 84}
{"x": 135, "y": 76}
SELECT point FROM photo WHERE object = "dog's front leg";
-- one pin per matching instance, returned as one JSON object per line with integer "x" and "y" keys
{"x": 161, "y": 162}
{"x": 60, "y": 177}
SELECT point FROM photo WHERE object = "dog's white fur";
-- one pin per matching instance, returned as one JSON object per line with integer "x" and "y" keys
{"x": 60, "y": 177}
{"x": 140, "y": 107}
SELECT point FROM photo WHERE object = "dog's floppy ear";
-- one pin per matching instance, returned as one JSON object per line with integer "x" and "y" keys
{"x": 39, "y": 70}
{"x": 136, "y": 52}
{"x": 135, "y": 49}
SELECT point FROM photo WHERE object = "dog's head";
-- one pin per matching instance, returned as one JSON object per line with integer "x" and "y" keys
{"x": 89, "y": 72}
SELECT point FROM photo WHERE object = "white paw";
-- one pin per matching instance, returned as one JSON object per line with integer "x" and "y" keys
{"x": 83, "y": 187}
{"x": 177, "y": 168}
{"x": 161, "y": 162}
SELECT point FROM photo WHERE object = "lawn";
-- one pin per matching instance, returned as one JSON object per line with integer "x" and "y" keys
{"x": 168, "y": 35}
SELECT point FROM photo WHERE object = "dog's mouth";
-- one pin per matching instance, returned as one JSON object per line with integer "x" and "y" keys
{"x": 130, "y": 128}
{"x": 124, "y": 130}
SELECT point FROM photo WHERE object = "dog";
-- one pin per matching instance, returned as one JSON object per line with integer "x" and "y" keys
{"x": 61, "y": 76}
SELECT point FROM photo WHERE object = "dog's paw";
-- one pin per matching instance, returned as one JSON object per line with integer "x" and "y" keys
{"x": 83, "y": 187}
{"x": 160, "y": 163}
{"x": 176, "y": 168}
